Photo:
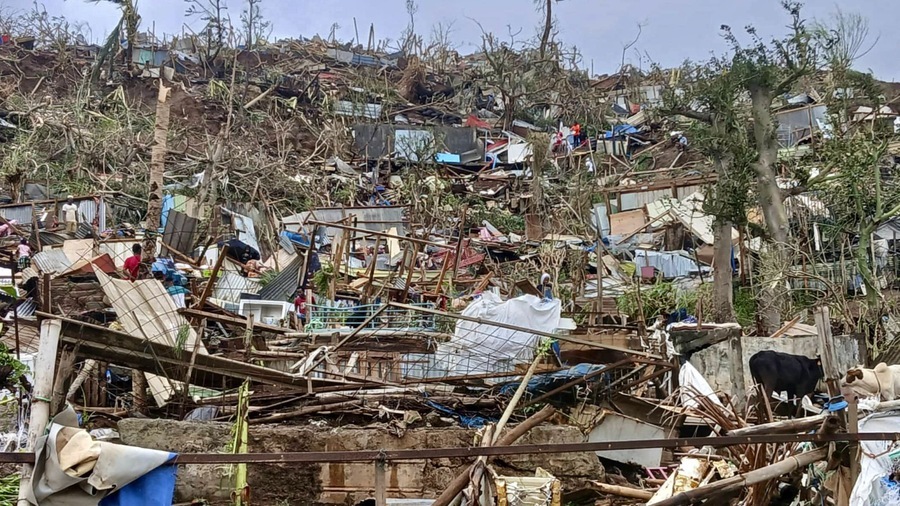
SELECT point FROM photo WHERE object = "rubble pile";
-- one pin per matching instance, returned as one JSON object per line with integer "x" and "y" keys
{"x": 367, "y": 248}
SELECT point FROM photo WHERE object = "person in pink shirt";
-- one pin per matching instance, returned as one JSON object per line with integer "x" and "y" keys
{"x": 24, "y": 251}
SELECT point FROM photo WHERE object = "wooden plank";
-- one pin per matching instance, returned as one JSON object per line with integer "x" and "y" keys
{"x": 627, "y": 222}
{"x": 127, "y": 350}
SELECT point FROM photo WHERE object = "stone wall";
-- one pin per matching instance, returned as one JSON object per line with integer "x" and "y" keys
{"x": 347, "y": 483}
{"x": 713, "y": 362}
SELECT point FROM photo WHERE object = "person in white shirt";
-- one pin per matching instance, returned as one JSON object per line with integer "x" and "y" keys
{"x": 70, "y": 213}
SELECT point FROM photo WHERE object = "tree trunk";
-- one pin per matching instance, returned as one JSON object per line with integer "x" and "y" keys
{"x": 548, "y": 26}
{"x": 723, "y": 274}
{"x": 157, "y": 169}
{"x": 863, "y": 258}
{"x": 723, "y": 294}
{"x": 772, "y": 298}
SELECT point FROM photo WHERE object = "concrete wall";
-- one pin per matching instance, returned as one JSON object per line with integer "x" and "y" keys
{"x": 347, "y": 484}
{"x": 713, "y": 361}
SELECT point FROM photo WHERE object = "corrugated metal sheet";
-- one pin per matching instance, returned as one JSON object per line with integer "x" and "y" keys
{"x": 284, "y": 285}
{"x": 88, "y": 209}
{"x": 180, "y": 232}
{"x": 286, "y": 244}
{"x": 50, "y": 261}
{"x": 374, "y": 219}
{"x": 230, "y": 286}
{"x": 29, "y": 338}
{"x": 20, "y": 213}
{"x": 357, "y": 110}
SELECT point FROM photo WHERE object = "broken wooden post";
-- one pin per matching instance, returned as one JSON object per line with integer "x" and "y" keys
{"x": 826, "y": 350}
{"x": 44, "y": 368}
{"x": 409, "y": 273}
{"x": 736, "y": 356}
{"x": 380, "y": 483}
{"x": 370, "y": 272}
{"x": 853, "y": 428}
{"x": 207, "y": 290}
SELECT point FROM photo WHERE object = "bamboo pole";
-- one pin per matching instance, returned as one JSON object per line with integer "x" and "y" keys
{"x": 461, "y": 480}
{"x": 44, "y": 366}
{"x": 740, "y": 481}
{"x": 477, "y": 468}
{"x": 629, "y": 492}
{"x": 781, "y": 427}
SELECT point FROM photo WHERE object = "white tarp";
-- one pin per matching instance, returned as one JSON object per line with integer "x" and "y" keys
{"x": 694, "y": 386}
{"x": 72, "y": 469}
{"x": 480, "y": 348}
{"x": 877, "y": 460}
{"x": 145, "y": 309}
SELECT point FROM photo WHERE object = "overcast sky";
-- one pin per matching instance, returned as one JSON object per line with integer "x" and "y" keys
{"x": 672, "y": 31}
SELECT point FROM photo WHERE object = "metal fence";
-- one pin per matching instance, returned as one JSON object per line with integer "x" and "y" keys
{"x": 327, "y": 318}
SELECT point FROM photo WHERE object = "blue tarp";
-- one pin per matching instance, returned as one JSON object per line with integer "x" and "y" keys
{"x": 471, "y": 422}
{"x": 167, "y": 205}
{"x": 545, "y": 382}
{"x": 618, "y": 130}
{"x": 156, "y": 488}
{"x": 300, "y": 239}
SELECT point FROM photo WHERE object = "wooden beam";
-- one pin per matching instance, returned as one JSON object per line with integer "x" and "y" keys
{"x": 207, "y": 290}
{"x": 121, "y": 348}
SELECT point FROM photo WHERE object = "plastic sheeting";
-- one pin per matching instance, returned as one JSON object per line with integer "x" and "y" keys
{"x": 877, "y": 460}
{"x": 146, "y": 310}
{"x": 545, "y": 382}
{"x": 694, "y": 386}
{"x": 481, "y": 348}
{"x": 72, "y": 469}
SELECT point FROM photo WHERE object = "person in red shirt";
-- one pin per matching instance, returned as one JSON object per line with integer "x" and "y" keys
{"x": 133, "y": 263}
{"x": 300, "y": 308}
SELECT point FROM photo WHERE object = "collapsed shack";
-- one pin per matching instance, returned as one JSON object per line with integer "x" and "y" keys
{"x": 378, "y": 359}
{"x": 476, "y": 305}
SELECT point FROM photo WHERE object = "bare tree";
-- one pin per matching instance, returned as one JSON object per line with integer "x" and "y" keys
{"x": 546, "y": 8}
{"x": 256, "y": 28}
{"x": 844, "y": 38}
{"x": 217, "y": 26}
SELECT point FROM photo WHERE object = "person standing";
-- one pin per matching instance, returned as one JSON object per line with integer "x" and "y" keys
{"x": 133, "y": 263}
{"x": 24, "y": 251}
{"x": 70, "y": 213}
{"x": 300, "y": 308}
